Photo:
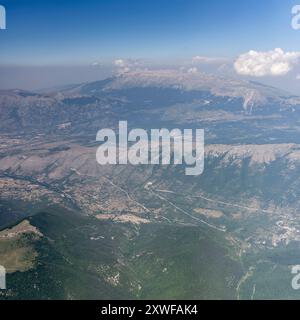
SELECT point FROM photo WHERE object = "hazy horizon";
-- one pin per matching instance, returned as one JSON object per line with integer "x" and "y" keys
{"x": 54, "y": 43}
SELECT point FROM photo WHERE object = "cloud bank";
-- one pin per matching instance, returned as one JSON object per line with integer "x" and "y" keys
{"x": 269, "y": 63}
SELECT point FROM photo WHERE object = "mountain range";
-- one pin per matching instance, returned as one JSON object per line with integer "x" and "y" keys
{"x": 136, "y": 230}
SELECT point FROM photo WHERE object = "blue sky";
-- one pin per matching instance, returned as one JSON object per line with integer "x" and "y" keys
{"x": 65, "y": 31}
{"x": 74, "y": 33}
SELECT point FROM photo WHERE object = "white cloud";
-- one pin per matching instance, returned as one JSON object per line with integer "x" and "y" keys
{"x": 120, "y": 63}
{"x": 126, "y": 65}
{"x": 269, "y": 63}
{"x": 204, "y": 59}
{"x": 97, "y": 64}
{"x": 192, "y": 70}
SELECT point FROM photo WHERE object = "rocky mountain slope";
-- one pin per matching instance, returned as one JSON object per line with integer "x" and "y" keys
{"x": 152, "y": 99}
